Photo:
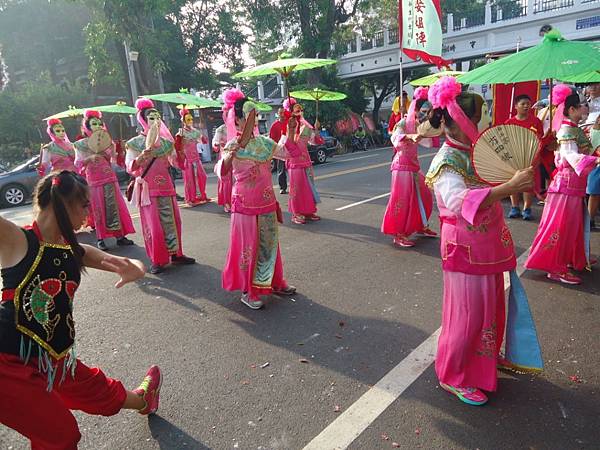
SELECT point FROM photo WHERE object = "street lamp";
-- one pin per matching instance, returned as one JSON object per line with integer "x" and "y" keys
{"x": 132, "y": 56}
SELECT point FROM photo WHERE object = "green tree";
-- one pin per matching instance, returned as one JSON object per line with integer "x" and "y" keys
{"x": 22, "y": 113}
{"x": 179, "y": 39}
{"x": 42, "y": 35}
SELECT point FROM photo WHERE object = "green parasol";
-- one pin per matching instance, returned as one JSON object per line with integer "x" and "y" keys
{"x": 554, "y": 58}
{"x": 587, "y": 77}
{"x": 185, "y": 98}
{"x": 285, "y": 67}
{"x": 319, "y": 95}
{"x": 117, "y": 108}
{"x": 72, "y": 112}
{"x": 432, "y": 78}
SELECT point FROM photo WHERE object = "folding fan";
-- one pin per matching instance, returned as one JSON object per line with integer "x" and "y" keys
{"x": 426, "y": 130}
{"x": 152, "y": 135}
{"x": 99, "y": 141}
{"x": 502, "y": 150}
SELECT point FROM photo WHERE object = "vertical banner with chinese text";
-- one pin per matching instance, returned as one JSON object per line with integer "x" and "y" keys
{"x": 421, "y": 30}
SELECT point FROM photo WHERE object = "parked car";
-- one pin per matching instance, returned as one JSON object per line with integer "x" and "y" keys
{"x": 17, "y": 185}
{"x": 318, "y": 153}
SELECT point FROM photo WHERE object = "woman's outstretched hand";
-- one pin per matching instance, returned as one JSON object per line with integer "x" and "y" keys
{"x": 128, "y": 269}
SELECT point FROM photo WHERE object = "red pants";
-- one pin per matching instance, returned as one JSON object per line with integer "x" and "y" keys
{"x": 45, "y": 417}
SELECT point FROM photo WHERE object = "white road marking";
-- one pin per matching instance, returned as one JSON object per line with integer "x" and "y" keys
{"x": 425, "y": 155}
{"x": 362, "y": 201}
{"x": 344, "y": 430}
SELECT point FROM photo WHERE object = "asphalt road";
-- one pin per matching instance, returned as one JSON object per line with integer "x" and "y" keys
{"x": 278, "y": 377}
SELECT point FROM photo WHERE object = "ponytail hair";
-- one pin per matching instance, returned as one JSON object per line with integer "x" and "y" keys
{"x": 56, "y": 190}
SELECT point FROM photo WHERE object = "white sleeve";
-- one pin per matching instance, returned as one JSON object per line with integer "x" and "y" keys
{"x": 569, "y": 151}
{"x": 452, "y": 189}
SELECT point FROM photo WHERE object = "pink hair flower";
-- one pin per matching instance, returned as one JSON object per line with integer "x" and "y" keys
{"x": 560, "y": 92}
{"x": 89, "y": 113}
{"x": 289, "y": 103}
{"x": 444, "y": 92}
{"x": 421, "y": 93}
{"x": 231, "y": 96}
{"x": 143, "y": 103}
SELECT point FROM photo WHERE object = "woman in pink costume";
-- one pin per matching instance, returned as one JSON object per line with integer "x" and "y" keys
{"x": 476, "y": 248}
{"x": 59, "y": 153}
{"x": 303, "y": 196}
{"x": 194, "y": 176}
{"x": 561, "y": 241}
{"x": 154, "y": 193}
{"x": 108, "y": 209}
{"x": 224, "y": 183}
{"x": 254, "y": 264}
{"x": 410, "y": 204}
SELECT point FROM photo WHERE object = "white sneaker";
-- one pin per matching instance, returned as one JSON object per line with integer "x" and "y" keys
{"x": 250, "y": 302}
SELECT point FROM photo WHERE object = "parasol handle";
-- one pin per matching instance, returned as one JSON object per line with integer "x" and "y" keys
{"x": 317, "y": 112}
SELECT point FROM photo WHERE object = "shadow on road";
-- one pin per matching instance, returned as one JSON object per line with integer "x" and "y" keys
{"x": 171, "y": 437}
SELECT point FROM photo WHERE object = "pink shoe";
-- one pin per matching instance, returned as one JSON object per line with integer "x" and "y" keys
{"x": 469, "y": 395}
{"x": 403, "y": 242}
{"x": 298, "y": 220}
{"x": 227, "y": 208}
{"x": 313, "y": 218}
{"x": 566, "y": 278}
{"x": 428, "y": 232}
{"x": 149, "y": 390}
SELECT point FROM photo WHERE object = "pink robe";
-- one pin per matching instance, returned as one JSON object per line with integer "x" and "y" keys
{"x": 194, "y": 176}
{"x": 476, "y": 248}
{"x": 410, "y": 204}
{"x": 254, "y": 263}
{"x": 56, "y": 158}
{"x": 155, "y": 196}
{"x": 559, "y": 241}
{"x": 110, "y": 215}
{"x": 303, "y": 197}
{"x": 225, "y": 182}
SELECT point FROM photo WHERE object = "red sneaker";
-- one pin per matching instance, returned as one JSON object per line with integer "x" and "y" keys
{"x": 403, "y": 242}
{"x": 428, "y": 232}
{"x": 298, "y": 220}
{"x": 469, "y": 395}
{"x": 313, "y": 218}
{"x": 566, "y": 278}
{"x": 149, "y": 390}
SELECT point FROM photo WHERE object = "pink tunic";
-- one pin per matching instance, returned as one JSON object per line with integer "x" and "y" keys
{"x": 303, "y": 196}
{"x": 476, "y": 248}
{"x": 155, "y": 197}
{"x": 194, "y": 176}
{"x": 108, "y": 209}
{"x": 559, "y": 241}
{"x": 225, "y": 182}
{"x": 254, "y": 261}
{"x": 410, "y": 204}
{"x": 57, "y": 158}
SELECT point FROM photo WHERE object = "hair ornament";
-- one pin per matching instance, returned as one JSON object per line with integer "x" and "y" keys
{"x": 230, "y": 96}
{"x": 444, "y": 92}
{"x": 143, "y": 103}
{"x": 560, "y": 92}
{"x": 289, "y": 103}
{"x": 89, "y": 113}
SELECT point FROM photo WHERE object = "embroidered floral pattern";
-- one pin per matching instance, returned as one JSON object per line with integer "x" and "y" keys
{"x": 552, "y": 241}
{"x": 398, "y": 206}
{"x": 268, "y": 193}
{"x": 482, "y": 227}
{"x": 505, "y": 237}
{"x": 246, "y": 258}
{"x": 487, "y": 343}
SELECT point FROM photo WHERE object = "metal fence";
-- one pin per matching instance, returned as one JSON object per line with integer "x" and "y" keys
{"x": 551, "y": 5}
{"x": 472, "y": 19}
